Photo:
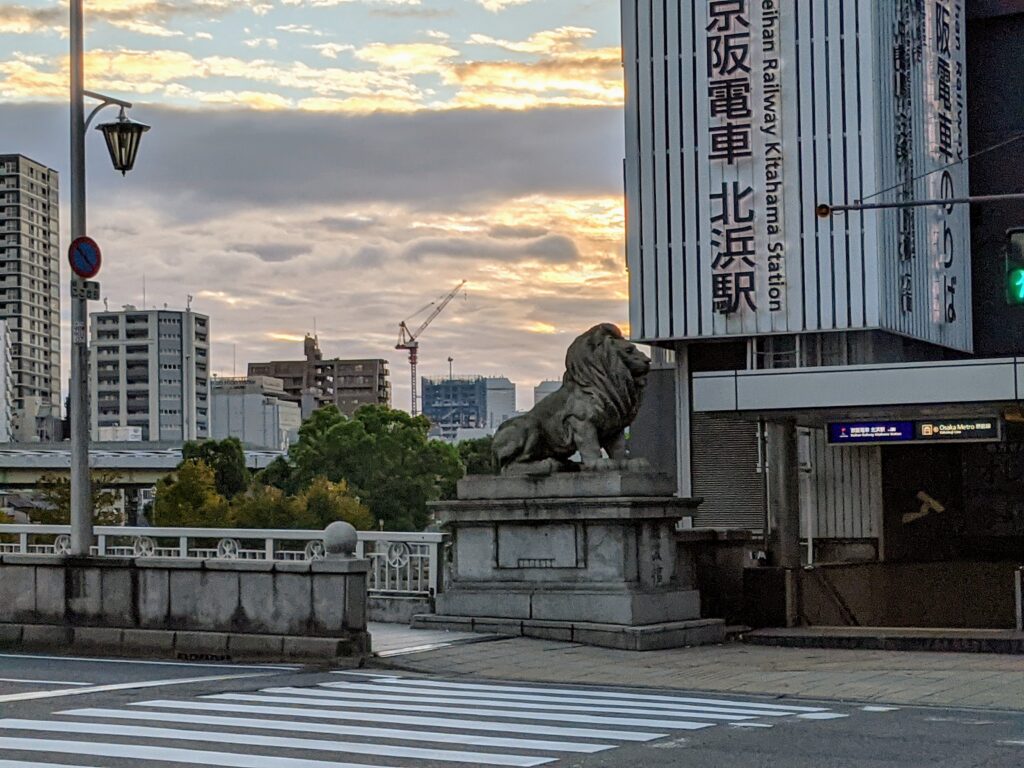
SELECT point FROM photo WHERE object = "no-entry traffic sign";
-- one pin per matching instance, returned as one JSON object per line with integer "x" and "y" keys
{"x": 84, "y": 257}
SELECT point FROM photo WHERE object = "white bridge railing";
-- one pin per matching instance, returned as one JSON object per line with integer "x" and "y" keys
{"x": 400, "y": 563}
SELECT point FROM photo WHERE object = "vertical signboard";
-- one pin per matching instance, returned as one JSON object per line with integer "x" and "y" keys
{"x": 742, "y": 115}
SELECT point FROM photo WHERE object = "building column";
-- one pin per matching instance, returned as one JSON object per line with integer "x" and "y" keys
{"x": 784, "y": 508}
{"x": 684, "y": 477}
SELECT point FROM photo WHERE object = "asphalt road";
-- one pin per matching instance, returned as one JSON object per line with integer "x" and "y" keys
{"x": 59, "y": 711}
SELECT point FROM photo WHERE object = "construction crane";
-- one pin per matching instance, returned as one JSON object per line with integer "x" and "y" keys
{"x": 410, "y": 339}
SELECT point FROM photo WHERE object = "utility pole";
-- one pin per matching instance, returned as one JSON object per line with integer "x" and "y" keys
{"x": 81, "y": 490}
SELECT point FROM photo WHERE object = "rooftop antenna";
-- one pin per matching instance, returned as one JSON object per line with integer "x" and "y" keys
{"x": 106, "y": 307}
{"x": 188, "y": 303}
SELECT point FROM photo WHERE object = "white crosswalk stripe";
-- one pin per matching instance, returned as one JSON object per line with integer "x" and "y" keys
{"x": 373, "y": 722}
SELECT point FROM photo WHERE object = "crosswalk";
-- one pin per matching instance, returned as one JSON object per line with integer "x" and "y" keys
{"x": 359, "y": 720}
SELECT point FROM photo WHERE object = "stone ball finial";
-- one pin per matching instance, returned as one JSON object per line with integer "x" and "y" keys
{"x": 340, "y": 539}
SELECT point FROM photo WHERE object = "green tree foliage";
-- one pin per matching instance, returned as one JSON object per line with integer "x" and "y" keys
{"x": 55, "y": 492}
{"x": 477, "y": 457}
{"x": 264, "y": 506}
{"x": 385, "y": 457}
{"x": 190, "y": 499}
{"x": 226, "y": 458}
{"x": 324, "y": 502}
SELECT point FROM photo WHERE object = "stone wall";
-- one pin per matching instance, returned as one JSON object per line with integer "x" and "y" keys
{"x": 264, "y": 607}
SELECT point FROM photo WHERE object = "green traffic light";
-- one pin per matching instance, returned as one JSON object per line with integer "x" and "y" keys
{"x": 1016, "y": 285}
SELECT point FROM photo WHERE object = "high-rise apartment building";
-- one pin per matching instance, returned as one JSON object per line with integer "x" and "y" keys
{"x": 348, "y": 384}
{"x": 30, "y": 279}
{"x": 150, "y": 368}
{"x": 458, "y": 406}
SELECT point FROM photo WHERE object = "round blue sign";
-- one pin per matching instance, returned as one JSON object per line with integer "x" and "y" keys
{"x": 84, "y": 257}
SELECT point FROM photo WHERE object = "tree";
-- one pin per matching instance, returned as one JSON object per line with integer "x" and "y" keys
{"x": 55, "y": 492}
{"x": 477, "y": 457}
{"x": 263, "y": 506}
{"x": 227, "y": 460}
{"x": 189, "y": 499}
{"x": 325, "y": 502}
{"x": 385, "y": 457}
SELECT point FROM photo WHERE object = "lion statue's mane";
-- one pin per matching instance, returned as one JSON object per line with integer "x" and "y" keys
{"x": 599, "y": 397}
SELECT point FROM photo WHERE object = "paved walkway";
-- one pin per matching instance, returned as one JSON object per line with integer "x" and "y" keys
{"x": 986, "y": 681}
{"x": 398, "y": 640}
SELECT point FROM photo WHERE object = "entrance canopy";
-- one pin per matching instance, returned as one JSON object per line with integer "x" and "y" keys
{"x": 963, "y": 387}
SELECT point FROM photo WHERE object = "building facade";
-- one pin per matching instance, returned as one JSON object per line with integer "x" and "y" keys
{"x": 6, "y": 386}
{"x": 30, "y": 280}
{"x": 501, "y": 401}
{"x": 466, "y": 407}
{"x": 150, "y": 368}
{"x": 840, "y": 380}
{"x": 256, "y": 410}
{"x": 315, "y": 382}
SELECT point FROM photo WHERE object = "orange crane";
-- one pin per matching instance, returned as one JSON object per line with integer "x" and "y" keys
{"x": 410, "y": 339}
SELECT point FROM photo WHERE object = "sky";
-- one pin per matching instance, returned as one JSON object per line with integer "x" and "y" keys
{"x": 337, "y": 164}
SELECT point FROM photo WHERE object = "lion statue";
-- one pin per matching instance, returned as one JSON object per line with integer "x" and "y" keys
{"x": 599, "y": 397}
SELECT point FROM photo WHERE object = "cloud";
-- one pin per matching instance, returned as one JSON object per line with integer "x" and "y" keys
{"x": 146, "y": 28}
{"x": 271, "y": 252}
{"x": 331, "y": 50}
{"x": 551, "y": 248}
{"x": 408, "y": 58}
{"x": 511, "y": 230}
{"x": 300, "y": 29}
{"x": 257, "y": 42}
{"x": 496, "y": 6}
{"x": 552, "y": 41}
{"x": 350, "y": 223}
{"x": 24, "y": 20}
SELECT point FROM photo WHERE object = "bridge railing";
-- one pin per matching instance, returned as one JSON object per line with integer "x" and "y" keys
{"x": 400, "y": 563}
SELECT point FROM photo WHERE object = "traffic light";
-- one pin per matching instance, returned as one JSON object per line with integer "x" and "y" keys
{"x": 1015, "y": 267}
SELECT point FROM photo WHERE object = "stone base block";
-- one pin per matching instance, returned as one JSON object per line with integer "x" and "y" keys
{"x": 648, "y": 637}
{"x": 572, "y": 605}
{"x": 189, "y": 646}
{"x": 395, "y": 609}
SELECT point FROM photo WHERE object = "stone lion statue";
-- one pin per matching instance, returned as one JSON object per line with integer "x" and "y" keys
{"x": 599, "y": 397}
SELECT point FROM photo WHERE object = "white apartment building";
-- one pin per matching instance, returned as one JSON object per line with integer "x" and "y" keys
{"x": 256, "y": 410}
{"x": 30, "y": 280}
{"x": 150, "y": 369}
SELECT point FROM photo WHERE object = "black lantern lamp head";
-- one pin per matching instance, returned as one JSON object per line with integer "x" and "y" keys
{"x": 123, "y": 138}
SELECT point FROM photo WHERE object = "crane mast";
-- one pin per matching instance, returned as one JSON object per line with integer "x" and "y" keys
{"x": 409, "y": 340}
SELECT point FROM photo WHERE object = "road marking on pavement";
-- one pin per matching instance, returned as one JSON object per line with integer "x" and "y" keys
{"x": 875, "y": 708}
{"x": 341, "y": 730}
{"x": 315, "y": 726}
{"x": 40, "y": 682}
{"x": 282, "y": 667}
{"x": 684, "y": 711}
{"x": 1011, "y": 743}
{"x": 165, "y": 754}
{"x": 403, "y": 719}
{"x": 822, "y": 716}
{"x": 121, "y": 687}
{"x": 256, "y": 740}
{"x": 512, "y": 714}
{"x": 418, "y": 682}
{"x": 457, "y": 697}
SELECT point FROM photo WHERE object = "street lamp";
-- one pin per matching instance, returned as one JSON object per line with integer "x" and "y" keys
{"x": 122, "y": 139}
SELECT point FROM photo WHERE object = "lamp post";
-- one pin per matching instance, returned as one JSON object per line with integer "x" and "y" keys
{"x": 122, "y": 139}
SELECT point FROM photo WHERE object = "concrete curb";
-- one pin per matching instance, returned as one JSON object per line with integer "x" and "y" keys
{"x": 184, "y": 646}
{"x": 881, "y": 639}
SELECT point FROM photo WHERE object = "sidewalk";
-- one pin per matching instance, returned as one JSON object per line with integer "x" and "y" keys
{"x": 971, "y": 680}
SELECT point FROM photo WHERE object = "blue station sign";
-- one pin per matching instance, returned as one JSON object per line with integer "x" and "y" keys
{"x": 967, "y": 429}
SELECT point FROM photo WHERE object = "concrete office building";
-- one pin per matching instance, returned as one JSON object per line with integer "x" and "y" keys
{"x": 256, "y": 410}
{"x": 501, "y": 401}
{"x": 847, "y": 382}
{"x": 150, "y": 368}
{"x": 30, "y": 286}
{"x": 315, "y": 382}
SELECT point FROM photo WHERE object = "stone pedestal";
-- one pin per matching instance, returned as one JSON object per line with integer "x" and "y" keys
{"x": 588, "y": 556}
